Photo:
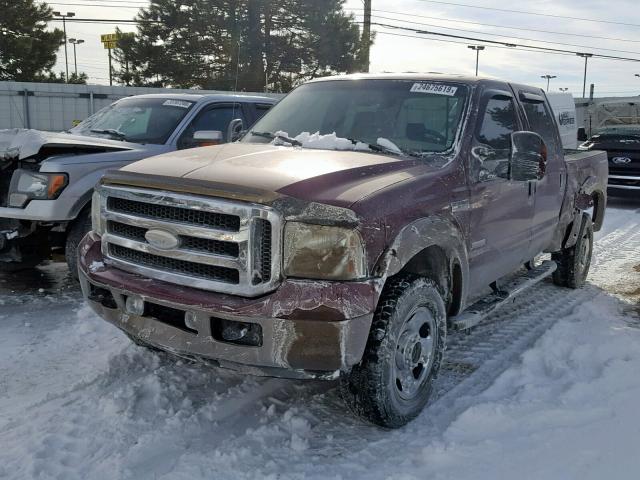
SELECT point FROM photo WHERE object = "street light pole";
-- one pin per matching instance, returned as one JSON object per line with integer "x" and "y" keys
{"x": 478, "y": 49}
{"x": 564, "y": 89}
{"x": 75, "y": 42}
{"x": 64, "y": 28}
{"x": 586, "y": 57}
{"x": 548, "y": 77}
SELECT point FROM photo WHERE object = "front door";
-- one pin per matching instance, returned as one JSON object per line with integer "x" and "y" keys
{"x": 501, "y": 209}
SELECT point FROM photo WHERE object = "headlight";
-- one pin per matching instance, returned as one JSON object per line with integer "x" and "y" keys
{"x": 97, "y": 224}
{"x": 27, "y": 185}
{"x": 319, "y": 252}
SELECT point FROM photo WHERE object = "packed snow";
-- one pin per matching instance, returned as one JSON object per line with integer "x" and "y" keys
{"x": 547, "y": 388}
{"x": 332, "y": 142}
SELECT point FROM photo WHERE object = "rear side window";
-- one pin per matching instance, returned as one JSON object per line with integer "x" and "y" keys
{"x": 541, "y": 122}
{"x": 261, "y": 109}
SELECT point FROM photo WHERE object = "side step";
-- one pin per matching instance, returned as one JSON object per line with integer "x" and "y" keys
{"x": 483, "y": 307}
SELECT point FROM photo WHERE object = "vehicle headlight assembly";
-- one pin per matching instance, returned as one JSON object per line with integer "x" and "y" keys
{"x": 97, "y": 222}
{"x": 323, "y": 253}
{"x": 27, "y": 185}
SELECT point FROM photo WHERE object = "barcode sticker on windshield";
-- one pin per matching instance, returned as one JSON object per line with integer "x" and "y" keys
{"x": 177, "y": 103}
{"x": 436, "y": 88}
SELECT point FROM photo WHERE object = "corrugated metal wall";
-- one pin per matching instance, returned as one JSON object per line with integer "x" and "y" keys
{"x": 55, "y": 106}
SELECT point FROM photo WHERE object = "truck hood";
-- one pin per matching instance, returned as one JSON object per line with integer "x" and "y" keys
{"x": 326, "y": 176}
{"x": 20, "y": 144}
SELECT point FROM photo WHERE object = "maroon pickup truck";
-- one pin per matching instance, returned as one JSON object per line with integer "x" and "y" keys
{"x": 357, "y": 222}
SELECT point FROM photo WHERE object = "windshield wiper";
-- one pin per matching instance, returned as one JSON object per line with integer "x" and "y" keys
{"x": 272, "y": 136}
{"x": 111, "y": 131}
{"x": 376, "y": 147}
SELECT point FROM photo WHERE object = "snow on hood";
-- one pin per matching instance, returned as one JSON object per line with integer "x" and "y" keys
{"x": 20, "y": 143}
{"x": 332, "y": 142}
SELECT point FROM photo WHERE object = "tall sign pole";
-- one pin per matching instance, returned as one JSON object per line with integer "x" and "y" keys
{"x": 110, "y": 41}
{"x": 586, "y": 57}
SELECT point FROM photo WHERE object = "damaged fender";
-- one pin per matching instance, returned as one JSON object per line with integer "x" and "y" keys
{"x": 434, "y": 231}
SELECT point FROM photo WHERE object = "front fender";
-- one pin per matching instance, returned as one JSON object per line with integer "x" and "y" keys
{"x": 420, "y": 235}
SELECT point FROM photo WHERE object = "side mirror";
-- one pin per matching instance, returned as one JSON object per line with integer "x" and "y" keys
{"x": 235, "y": 129}
{"x": 205, "y": 138}
{"x": 582, "y": 134}
{"x": 528, "y": 156}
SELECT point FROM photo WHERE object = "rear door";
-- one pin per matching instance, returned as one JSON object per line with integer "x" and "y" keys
{"x": 501, "y": 209}
{"x": 549, "y": 191}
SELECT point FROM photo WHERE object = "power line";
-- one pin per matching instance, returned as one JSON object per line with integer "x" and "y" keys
{"x": 509, "y": 36}
{"x": 506, "y": 44}
{"x": 523, "y": 12}
{"x": 412, "y": 15}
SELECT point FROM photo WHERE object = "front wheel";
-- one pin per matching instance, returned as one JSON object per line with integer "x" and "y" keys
{"x": 392, "y": 383}
{"x": 79, "y": 228}
{"x": 573, "y": 263}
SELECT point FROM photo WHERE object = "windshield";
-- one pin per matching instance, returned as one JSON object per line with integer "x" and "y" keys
{"x": 137, "y": 120}
{"x": 416, "y": 116}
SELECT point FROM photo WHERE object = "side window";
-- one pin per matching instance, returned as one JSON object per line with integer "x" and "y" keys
{"x": 493, "y": 139}
{"x": 541, "y": 121}
{"x": 216, "y": 117}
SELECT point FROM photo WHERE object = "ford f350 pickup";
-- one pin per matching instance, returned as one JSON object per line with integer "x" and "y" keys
{"x": 348, "y": 230}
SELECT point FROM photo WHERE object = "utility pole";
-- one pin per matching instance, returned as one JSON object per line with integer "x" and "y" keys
{"x": 548, "y": 77}
{"x": 366, "y": 35}
{"x": 586, "y": 57}
{"x": 64, "y": 29}
{"x": 110, "y": 68}
{"x": 74, "y": 42}
{"x": 478, "y": 49}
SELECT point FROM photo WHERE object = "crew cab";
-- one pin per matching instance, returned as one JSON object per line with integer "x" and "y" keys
{"x": 622, "y": 144}
{"x": 355, "y": 224}
{"x": 47, "y": 179}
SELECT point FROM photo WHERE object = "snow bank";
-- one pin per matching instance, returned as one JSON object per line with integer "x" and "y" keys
{"x": 569, "y": 411}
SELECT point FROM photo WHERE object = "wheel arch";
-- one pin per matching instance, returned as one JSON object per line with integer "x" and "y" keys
{"x": 434, "y": 248}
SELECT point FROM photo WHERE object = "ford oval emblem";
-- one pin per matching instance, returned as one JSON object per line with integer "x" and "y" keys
{"x": 161, "y": 239}
{"x": 621, "y": 160}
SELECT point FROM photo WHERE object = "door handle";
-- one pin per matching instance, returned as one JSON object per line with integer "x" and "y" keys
{"x": 533, "y": 187}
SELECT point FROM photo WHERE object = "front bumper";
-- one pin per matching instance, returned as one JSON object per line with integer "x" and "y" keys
{"x": 624, "y": 183}
{"x": 310, "y": 329}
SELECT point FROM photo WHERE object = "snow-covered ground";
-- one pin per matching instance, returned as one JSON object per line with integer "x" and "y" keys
{"x": 547, "y": 388}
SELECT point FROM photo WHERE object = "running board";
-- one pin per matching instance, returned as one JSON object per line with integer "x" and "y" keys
{"x": 489, "y": 304}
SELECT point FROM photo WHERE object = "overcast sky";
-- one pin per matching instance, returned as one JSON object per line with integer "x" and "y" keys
{"x": 396, "y": 54}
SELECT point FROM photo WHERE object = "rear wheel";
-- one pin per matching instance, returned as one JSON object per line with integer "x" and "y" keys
{"x": 392, "y": 383}
{"x": 573, "y": 263}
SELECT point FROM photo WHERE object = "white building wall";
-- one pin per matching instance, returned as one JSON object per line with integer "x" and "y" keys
{"x": 55, "y": 106}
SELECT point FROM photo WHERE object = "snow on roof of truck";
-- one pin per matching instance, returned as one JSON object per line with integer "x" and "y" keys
{"x": 198, "y": 97}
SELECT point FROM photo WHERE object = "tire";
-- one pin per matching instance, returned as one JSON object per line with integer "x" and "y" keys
{"x": 79, "y": 228}
{"x": 392, "y": 383}
{"x": 573, "y": 263}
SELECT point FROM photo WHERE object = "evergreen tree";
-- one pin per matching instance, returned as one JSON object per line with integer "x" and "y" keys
{"x": 212, "y": 44}
{"x": 27, "y": 48}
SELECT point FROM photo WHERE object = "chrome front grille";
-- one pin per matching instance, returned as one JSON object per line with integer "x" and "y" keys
{"x": 221, "y": 245}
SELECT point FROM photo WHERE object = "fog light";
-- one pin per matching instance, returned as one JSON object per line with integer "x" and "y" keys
{"x": 191, "y": 320}
{"x": 135, "y": 305}
{"x": 239, "y": 333}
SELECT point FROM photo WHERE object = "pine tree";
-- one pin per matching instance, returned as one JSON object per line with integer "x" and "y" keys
{"x": 214, "y": 44}
{"x": 27, "y": 48}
